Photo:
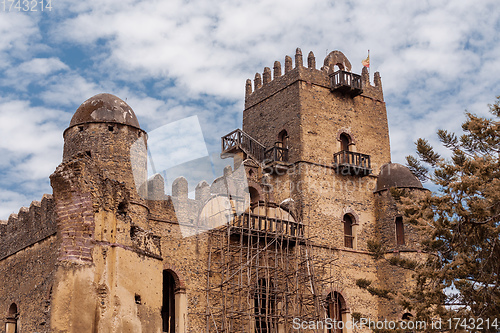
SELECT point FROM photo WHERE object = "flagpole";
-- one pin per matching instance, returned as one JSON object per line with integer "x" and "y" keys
{"x": 366, "y": 63}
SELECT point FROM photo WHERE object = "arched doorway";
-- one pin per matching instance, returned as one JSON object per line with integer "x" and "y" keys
{"x": 174, "y": 304}
{"x": 336, "y": 309}
{"x": 168, "y": 306}
{"x": 345, "y": 140}
{"x": 283, "y": 139}
{"x": 254, "y": 195}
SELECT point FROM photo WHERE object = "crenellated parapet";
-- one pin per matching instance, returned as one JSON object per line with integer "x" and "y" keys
{"x": 268, "y": 83}
{"x": 228, "y": 195}
{"x": 178, "y": 207}
{"x": 31, "y": 225}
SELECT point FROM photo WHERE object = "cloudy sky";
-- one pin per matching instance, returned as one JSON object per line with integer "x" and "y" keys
{"x": 174, "y": 59}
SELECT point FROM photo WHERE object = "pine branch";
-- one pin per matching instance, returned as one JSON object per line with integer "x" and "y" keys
{"x": 426, "y": 152}
{"x": 417, "y": 168}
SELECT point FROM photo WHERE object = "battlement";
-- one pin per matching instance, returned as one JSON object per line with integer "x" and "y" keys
{"x": 28, "y": 227}
{"x": 214, "y": 205}
{"x": 268, "y": 83}
{"x": 178, "y": 207}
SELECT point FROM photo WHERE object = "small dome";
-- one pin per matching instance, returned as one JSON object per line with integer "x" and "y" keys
{"x": 104, "y": 108}
{"x": 396, "y": 175}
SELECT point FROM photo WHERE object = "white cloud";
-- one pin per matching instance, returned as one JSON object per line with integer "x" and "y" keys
{"x": 42, "y": 66}
{"x": 176, "y": 143}
{"x": 33, "y": 71}
{"x": 174, "y": 59}
{"x": 31, "y": 144}
{"x": 70, "y": 89}
{"x": 18, "y": 37}
{"x": 26, "y": 129}
{"x": 10, "y": 201}
{"x": 31, "y": 148}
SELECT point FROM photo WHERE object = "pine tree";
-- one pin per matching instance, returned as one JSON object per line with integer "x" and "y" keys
{"x": 460, "y": 223}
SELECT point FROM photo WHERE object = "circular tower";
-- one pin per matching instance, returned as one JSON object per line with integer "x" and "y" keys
{"x": 395, "y": 234}
{"x": 105, "y": 128}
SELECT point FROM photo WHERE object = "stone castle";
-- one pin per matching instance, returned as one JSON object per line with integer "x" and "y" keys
{"x": 299, "y": 232}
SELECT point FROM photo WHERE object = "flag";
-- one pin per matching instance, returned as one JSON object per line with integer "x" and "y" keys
{"x": 366, "y": 62}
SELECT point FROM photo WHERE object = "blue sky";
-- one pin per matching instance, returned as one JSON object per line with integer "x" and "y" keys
{"x": 174, "y": 59}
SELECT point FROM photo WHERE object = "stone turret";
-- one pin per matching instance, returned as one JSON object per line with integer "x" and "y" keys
{"x": 106, "y": 129}
{"x": 102, "y": 223}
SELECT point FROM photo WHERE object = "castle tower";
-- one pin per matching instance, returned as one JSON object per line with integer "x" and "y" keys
{"x": 109, "y": 259}
{"x": 400, "y": 240}
{"x": 313, "y": 108}
{"x": 318, "y": 234}
{"x": 106, "y": 129}
{"x": 321, "y": 138}
{"x": 325, "y": 134}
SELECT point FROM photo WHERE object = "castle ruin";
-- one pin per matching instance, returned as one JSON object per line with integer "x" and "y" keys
{"x": 109, "y": 251}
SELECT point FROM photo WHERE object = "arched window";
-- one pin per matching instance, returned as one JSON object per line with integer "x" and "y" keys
{"x": 254, "y": 195}
{"x": 168, "y": 307}
{"x": 400, "y": 231}
{"x": 283, "y": 139}
{"x": 264, "y": 300}
{"x": 338, "y": 67}
{"x": 348, "y": 231}
{"x": 280, "y": 149}
{"x": 335, "y": 310}
{"x": 11, "y": 322}
{"x": 345, "y": 140}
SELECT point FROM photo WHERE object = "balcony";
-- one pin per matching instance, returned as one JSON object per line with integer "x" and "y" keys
{"x": 276, "y": 159}
{"x": 351, "y": 163}
{"x": 262, "y": 226}
{"x": 276, "y": 154}
{"x": 346, "y": 82}
{"x": 239, "y": 140}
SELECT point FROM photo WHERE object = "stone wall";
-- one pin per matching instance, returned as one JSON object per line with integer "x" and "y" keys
{"x": 109, "y": 263}
{"x": 29, "y": 226}
{"x": 28, "y": 252}
{"x": 92, "y": 257}
{"x": 26, "y": 280}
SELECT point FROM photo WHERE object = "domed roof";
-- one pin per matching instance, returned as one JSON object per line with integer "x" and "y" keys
{"x": 104, "y": 108}
{"x": 396, "y": 175}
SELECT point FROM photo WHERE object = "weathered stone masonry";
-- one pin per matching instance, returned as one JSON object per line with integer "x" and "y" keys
{"x": 111, "y": 252}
